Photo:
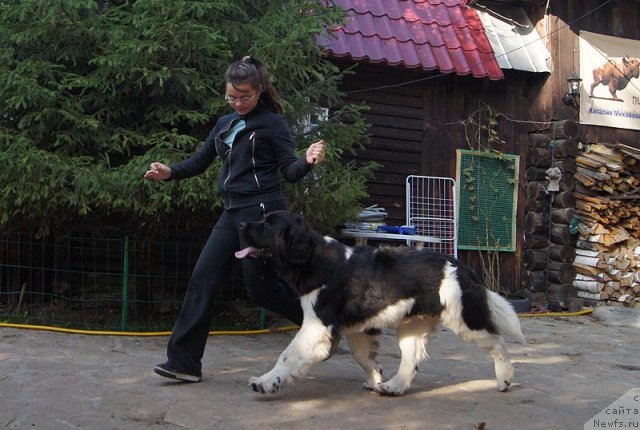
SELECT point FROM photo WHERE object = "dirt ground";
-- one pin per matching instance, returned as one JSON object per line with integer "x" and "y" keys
{"x": 570, "y": 369}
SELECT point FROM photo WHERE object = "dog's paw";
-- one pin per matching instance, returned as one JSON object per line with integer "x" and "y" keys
{"x": 369, "y": 386}
{"x": 265, "y": 385}
{"x": 374, "y": 380}
{"x": 387, "y": 389}
{"x": 503, "y": 386}
{"x": 504, "y": 376}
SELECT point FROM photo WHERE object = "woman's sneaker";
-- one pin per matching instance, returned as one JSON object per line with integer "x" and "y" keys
{"x": 168, "y": 372}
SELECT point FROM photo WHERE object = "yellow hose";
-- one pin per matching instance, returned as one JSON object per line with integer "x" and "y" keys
{"x": 227, "y": 332}
{"x": 141, "y": 334}
{"x": 556, "y": 314}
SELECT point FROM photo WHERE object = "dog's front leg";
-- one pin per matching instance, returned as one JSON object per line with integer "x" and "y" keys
{"x": 311, "y": 345}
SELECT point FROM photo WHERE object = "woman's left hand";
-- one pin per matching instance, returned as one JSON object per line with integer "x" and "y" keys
{"x": 315, "y": 152}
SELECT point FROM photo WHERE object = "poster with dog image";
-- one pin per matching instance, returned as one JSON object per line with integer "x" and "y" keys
{"x": 610, "y": 93}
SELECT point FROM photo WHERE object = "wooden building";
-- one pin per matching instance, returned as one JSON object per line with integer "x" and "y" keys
{"x": 416, "y": 111}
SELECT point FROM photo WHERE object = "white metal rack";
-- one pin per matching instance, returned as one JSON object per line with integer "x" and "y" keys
{"x": 432, "y": 208}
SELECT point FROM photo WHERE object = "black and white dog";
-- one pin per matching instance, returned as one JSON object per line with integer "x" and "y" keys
{"x": 357, "y": 291}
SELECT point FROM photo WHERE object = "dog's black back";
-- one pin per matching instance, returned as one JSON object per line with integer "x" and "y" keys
{"x": 357, "y": 283}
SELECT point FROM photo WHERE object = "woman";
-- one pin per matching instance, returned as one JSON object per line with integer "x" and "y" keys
{"x": 255, "y": 145}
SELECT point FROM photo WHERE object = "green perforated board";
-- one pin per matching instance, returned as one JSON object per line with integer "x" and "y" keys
{"x": 487, "y": 199}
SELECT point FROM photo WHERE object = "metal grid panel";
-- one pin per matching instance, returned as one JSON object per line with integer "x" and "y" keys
{"x": 431, "y": 208}
{"x": 488, "y": 193}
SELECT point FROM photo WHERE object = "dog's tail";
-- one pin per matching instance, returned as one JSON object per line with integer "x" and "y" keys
{"x": 504, "y": 317}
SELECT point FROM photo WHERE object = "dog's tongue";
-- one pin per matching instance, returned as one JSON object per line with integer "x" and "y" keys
{"x": 245, "y": 252}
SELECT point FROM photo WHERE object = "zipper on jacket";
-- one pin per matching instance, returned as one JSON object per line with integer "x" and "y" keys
{"x": 228, "y": 170}
{"x": 228, "y": 153}
{"x": 219, "y": 140}
{"x": 252, "y": 138}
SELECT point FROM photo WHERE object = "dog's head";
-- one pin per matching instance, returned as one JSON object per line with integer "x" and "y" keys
{"x": 280, "y": 235}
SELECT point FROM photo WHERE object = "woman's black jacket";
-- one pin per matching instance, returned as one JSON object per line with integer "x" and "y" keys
{"x": 262, "y": 155}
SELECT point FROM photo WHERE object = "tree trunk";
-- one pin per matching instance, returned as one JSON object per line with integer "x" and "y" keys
{"x": 558, "y": 292}
{"x": 564, "y": 148}
{"x": 564, "y": 200}
{"x": 535, "y": 259}
{"x": 562, "y": 273}
{"x": 536, "y": 223}
{"x": 561, "y": 235}
{"x": 564, "y": 253}
{"x": 534, "y": 173}
{"x": 567, "y": 129}
{"x": 563, "y": 215}
{"x": 536, "y": 241}
{"x": 566, "y": 165}
{"x": 536, "y": 190}
{"x": 537, "y": 205}
{"x": 537, "y": 281}
{"x": 540, "y": 157}
{"x": 539, "y": 140}
{"x": 567, "y": 182}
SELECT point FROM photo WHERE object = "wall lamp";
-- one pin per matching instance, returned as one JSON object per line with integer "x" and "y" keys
{"x": 570, "y": 98}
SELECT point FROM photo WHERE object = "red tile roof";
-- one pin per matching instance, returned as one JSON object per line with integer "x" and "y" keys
{"x": 443, "y": 35}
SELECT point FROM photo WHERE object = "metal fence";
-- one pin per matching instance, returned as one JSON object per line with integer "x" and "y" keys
{"x": 108, "y": 283}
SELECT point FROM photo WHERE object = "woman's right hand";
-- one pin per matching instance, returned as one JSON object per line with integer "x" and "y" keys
{"x": 158, "y": 171}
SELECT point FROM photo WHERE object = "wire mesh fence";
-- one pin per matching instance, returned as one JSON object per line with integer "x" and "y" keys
{"x": 108, "y": 283}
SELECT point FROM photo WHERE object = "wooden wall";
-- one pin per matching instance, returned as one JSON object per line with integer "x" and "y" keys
{"x": 618, "y": 18}
{"x": 416, "y": 127}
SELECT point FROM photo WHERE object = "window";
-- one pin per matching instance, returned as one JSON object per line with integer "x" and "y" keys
{"x": 309, "y": 123}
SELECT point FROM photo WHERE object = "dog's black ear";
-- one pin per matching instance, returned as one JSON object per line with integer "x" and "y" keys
{"x": 298, "y": 244}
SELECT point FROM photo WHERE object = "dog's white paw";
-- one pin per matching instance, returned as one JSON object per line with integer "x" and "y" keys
{"x": 374, "y": 379}
{"x": 265, "y": 384}
{"x": 503, "y": 386}
{"x": 504, "y": 376}
{"x": 389, "y": 389}
{"x": 369, "y": 386}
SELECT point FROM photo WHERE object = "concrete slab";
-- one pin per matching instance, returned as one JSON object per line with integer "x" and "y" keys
{"x": 618, "y": 316}
{"x": 570, "y": 369}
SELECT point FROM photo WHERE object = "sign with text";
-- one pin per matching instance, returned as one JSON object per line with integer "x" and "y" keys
{"x": 610, "y": 93}
{"x": 624, "y": 413}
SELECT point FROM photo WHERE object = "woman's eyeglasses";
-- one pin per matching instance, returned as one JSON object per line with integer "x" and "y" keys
{"x": 240, "y": 100}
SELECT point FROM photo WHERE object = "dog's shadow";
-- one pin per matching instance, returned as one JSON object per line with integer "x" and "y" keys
{"x": 348, "y": 389}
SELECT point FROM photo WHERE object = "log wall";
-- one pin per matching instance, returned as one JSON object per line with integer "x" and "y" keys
{"x": 549, "y": 240}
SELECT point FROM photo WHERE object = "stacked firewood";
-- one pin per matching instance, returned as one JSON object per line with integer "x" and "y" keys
{"x": 609, "y": 169}
{"x": 549, "y": 243}
{"x": 607, "y": 200}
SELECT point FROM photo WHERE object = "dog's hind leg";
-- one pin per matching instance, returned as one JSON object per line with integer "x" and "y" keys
{"x": 492, "y": 343}
{"x": 495, "y": 346}
{"x": 364, "y": 348}
{"x": 412, "y": 339}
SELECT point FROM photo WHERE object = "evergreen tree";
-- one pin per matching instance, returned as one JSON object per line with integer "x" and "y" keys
{"x": 92, "y": 91}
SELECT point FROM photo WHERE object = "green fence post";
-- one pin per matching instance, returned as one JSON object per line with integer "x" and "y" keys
{"x": 125, "y": 282}
{"x": 263, "y": 317}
